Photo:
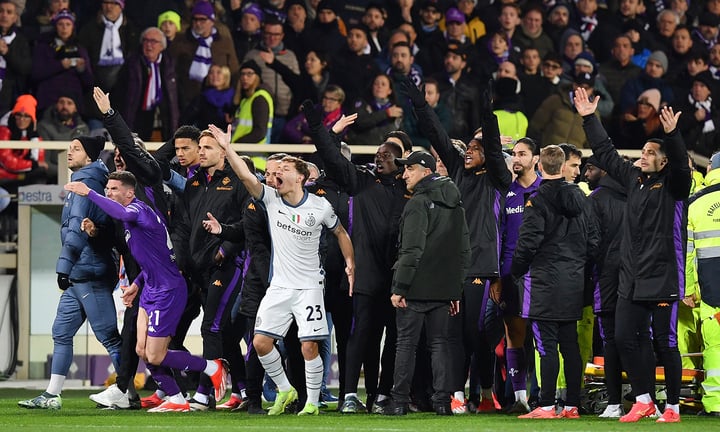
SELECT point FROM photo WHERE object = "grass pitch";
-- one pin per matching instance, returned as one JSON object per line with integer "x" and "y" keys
{"x": 79, "y": 414}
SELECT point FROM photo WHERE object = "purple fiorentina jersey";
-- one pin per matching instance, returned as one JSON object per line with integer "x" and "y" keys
{"x": 150, "y": 245}
{"x": 515, "y": 201}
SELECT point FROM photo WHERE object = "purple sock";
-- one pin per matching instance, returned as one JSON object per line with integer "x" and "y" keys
{"x": 516, "y": 368}
{"x": 163, "y": 378}
{"x": 183, "y": 361}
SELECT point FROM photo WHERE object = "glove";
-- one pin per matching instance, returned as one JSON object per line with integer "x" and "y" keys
{"x": 313, "y": 116}
{"x": 63, "y": 281}
{"x": 409, "y": 89}
{"x": 165, "y": 168}
{"x": 486, "y": 103}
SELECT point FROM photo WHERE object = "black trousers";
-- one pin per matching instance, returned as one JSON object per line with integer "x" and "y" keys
{"x": 254, "y": 372}
{"x": 435, "y": 317}
{"x": 128, "y": 356}
{"x": 613, "y": 366}
{"x": 371, "y": 315}
{"x": 340, "y": 305}
{"x": 548, "y": 335}
{"x": 665, "y": 343}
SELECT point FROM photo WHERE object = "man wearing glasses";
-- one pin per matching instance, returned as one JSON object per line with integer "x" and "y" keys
{"x": 272, "y": 40}
{"x": 200, "y": 47}
{"x": 151, "y": 87}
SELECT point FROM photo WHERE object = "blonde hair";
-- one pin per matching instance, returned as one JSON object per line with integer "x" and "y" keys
{"x": 225, "y": 71}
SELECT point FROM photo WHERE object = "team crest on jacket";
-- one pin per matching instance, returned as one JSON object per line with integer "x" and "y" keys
{"x": 528, "y": 203}
{"x": 226, "y": 180}
{"x": 251, "y": 206}
{"x": 656, "y": 186}
{"x": 217, "y": 283}
{"x": 195, "y": 183}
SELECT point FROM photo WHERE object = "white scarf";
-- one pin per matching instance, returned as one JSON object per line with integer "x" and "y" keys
{"x": 709, "y": 125}
{"x": 9, "y": 38}
{"x": 203, "y": 56}
{"x": 587, "y": 25}
{"x": 153, "y": 90}
{"x": 111, "y": 49}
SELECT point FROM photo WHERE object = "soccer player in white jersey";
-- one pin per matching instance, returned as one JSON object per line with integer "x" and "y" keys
{"x": 296, "y": 219}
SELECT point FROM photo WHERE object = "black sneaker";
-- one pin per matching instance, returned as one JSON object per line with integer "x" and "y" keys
{"x": 395, "y": 409}
{"x": 379, "y": 406}
{"x": 254, "y": 407}
{"x": 352, "y": 405}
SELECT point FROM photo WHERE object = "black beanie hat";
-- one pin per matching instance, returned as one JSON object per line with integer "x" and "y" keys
{"x": 92, "y": 145}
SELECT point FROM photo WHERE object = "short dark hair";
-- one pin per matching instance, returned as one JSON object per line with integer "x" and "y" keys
{"x": 570, "y": 150}
{"x": 249, "y": 162}
{"x": 277, "y": 156}
{"x": 402, "y": 136}
{"x": 187, "y": 131}
{"x": 300, "y": 166}
{"x": 659, "y": 142}
{"x": 124, "y": 177}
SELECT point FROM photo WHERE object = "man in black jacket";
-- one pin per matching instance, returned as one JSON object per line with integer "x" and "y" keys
{"x": 548, "y": 265}
{"x": 652, "y": 269}
{"x": 483, "y": 179}
{"x": 211, "y": 262}
{"x": 608, "y": 198}
{"x": 378, "y": 198}
{"x": 433, "y": 258}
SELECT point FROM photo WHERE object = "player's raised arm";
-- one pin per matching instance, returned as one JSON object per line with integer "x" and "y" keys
{"x": 252, "y": 184}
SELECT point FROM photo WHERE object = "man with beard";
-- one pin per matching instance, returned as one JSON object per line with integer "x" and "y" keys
{"x": 608, "y": 209}
{"x": 483, "y": 180}
{"x": 61, "y": 122}
{"x": 524, "y": 158}
{"x": 379, "y": 195}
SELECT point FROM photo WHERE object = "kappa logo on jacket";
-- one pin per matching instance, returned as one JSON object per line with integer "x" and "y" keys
{"x": 656, "y": 186}
{"x": 477, "y": 281}
{"x": 217, "y": 283}
{"x": 195, "y": 183}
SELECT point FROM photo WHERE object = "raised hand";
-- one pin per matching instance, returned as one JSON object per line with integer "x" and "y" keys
{"x": 343, "y": 123}
{"x": 669, "y": 118}
{"x": 102, "y": 100}
{"x": 409, "y": 89}
{"x": 221, "y": 137}
{"x": 267, "y": 56}
{"x": 583, "y": 104}
{"x": 313, "y": 115}
{"x": 486, "y": 103}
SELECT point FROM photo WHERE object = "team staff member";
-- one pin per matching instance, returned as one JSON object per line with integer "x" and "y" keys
{"x": 483, "y": 179}
{"x": 608, "y": 199}
{"x": 652, "y": 276}
{"x": 425, "y": 282}
{"x": 703, "y": 266}
{"x": 555, "y": 239}
{"x": 378, "y": 198}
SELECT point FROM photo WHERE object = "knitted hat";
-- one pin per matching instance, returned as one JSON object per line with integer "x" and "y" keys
{"x": 652, "y": 97}
{"x": 171, "y": 16}
{"x": 715, "y": 161}
{"x": 63, "y": 14}
{"x": 706, "y": 78}
{"x": 205, "y": 9}
{"x": 454, "y": 15}
{"x": 585, "y": 78}
{"x": 586, "y": 59}
{"x": 92, "y": 145}
{"x": 26, "y": 104}
{"x": 251, "y": 64}
{"x": 661, "y": 58}
{"x": 300, "y": 3}
{"x": 329, "y": 5}
{"x": 120, "y": 2}
{"x": 254, "y": 9}
{"x": 708, "y": 19}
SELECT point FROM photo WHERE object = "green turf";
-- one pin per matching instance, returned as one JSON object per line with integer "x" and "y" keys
{"x": 79, "y": 414}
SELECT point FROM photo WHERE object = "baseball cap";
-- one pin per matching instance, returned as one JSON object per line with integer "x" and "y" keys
{"x": 418, "y": 157}
{"x": 454, "y": 15}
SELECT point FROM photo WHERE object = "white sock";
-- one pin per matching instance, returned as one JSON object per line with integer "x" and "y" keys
{"x": 202, "y": 398}
{"x": 161, "y": 394}
{"x": 272, "y": 363}
{"x": 178, "y": 399}
{"x": 380, "y": 398}
{"x": 313, "y": 379}
{"x": 643, "y": 398}
{"x": 614, "y": 406}
{"x": 674, "y": 407}
{"x": 211, "y": 368}
{"x": 347, "y": 395}
{"x": 521, "y": 395}
{"x": 548, "y": 408}
{"x": 459, "y": 395}
{"x": 56, "y": 384}
{"x": 569, "y": 407}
